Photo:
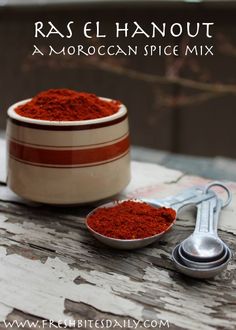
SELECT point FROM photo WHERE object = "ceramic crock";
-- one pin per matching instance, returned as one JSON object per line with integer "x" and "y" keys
{"x": 67, "y": 162}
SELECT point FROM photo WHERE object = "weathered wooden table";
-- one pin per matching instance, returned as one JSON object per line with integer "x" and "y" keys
{"x": 51, "y": 268}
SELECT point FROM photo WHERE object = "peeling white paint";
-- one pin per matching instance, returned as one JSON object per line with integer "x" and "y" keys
{"x": 4, "y": 311}
{"x": 41, "y": 289}
{"x": 30, "y": 228}
{"x": 147, "y": 177}
{"x": 2, "y": 219}
{"x": 116, "y": 282}
{"x": 181, "y": 301}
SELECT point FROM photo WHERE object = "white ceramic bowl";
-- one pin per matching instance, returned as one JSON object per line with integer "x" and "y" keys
{"x": 68, "y": 162}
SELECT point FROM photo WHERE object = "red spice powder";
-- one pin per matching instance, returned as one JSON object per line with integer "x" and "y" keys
{"x": 67, "y": 105}
{"x": 131, "y": 220}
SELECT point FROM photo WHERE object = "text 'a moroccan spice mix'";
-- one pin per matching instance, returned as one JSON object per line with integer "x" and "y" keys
{"x": 131, "y": 220}
{"x": 67, "y": 105}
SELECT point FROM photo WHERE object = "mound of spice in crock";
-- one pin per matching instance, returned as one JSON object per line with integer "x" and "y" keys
{"x": 67, "y": 105}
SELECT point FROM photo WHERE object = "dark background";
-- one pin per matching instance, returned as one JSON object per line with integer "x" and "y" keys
{"x": 166, "y": 116}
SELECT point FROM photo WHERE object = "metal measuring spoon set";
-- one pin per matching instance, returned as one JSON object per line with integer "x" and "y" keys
{"x": 195, "y": 195}
{"x": 203, "y": 254}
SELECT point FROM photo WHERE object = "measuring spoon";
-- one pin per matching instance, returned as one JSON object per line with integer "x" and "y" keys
{"x": 179, "y": 201}
{"x": 203, "y": 243}
{"x": 205, "y": 263}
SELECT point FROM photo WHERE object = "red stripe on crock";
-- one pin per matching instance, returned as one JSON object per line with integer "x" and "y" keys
{"x": 67, "y": 128}
{"x": 68, "y": 157}
{"x": 74, "y": 166}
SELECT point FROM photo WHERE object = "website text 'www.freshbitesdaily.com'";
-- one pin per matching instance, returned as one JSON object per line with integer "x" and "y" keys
{"x": 88, "y": 324}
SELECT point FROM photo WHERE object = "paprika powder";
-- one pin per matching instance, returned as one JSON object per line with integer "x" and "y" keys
{"x": 131, "y": 220}
{"x": 67, "y": 105}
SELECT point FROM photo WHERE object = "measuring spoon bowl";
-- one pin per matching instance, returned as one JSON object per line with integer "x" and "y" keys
{"x": 202, "y": 247}
{"x": 197, "y": 272}
{"x": 202, "y": 264}
{"x": 205, "y": 243}
{"x": 125, "y": 244}
{"x": 189, "y": 197}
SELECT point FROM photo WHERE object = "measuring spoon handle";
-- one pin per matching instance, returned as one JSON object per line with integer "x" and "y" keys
{"x": 194, "y": 201}
{"x": 205, "y": 217}
{"x": 218, "y": 208}
{"x": 193, "y": 195}
{"x": 182, "y": 197}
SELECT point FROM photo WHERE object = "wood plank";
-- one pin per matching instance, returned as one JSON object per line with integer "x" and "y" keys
{"x": 50, "y": 260}
{"x": 52, "y": 267}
